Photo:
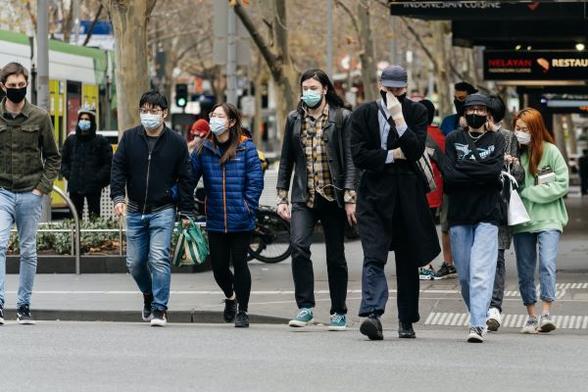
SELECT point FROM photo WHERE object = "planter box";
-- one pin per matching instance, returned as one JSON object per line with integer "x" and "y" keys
{"x": 110, "y": 264}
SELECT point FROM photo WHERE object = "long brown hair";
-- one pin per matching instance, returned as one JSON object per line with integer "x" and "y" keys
{"x": 236, "y": 130}
{"x": 539, "y": 134}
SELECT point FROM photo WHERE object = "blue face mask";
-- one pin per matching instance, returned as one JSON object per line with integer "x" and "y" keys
{"x": 151, "y": 121}
{"x": 312, "y": 98}
{"x": 84, "y": 125}
{"x": 217, "y": 126}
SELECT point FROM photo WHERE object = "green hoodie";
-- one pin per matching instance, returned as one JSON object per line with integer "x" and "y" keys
{"x": 545, "y": 203}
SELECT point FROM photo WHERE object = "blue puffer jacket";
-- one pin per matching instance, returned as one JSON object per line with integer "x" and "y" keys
{"x": 232, "y": 190}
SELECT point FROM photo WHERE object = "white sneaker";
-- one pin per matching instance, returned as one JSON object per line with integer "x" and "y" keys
{"x": 476, "y": 335}
{"x": 530, "y": 326}
{"x": 494, "y": 319}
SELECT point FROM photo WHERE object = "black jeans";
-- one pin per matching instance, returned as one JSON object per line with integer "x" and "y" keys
{"x": 498, "y": 291}
{"x": 332, "y": 218}
{"x": 93, "y": 202}
{"x": 224, "y": 249}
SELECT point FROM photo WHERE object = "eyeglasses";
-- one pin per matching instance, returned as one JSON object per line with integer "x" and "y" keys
{"x": 150, "y": 111}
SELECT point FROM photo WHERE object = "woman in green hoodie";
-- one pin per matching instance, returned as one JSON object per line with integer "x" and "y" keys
{"x": 546, "y": 183}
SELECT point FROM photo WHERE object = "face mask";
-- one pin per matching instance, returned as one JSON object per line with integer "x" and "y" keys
{"x": 84, "y": 125}
{"x": 16, "y": 95}
{"x": 458, "y": 106}
{"x": 217, "y": 126}
{"x": 383, "y": 94}
{"x": 523, "y": 137}
{"x": 312, "y": 98}
{"x": 475, "y": 121}
{"x": 150, "y": 121}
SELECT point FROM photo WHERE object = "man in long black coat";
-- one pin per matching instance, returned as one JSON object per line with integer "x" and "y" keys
{"x": 387, "y": 139}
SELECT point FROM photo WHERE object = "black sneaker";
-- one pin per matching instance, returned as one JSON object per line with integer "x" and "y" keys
{"x": 1, "y": 316}
{"x": 242, "y": 320}
{"x": 147, "y": 300}
{"x": 405, "y": 330}
{"x": 159, "y": 318}
{"x": 446, "y": 271}
{"x": 230, "y": 310}
{"x": 372, "y": 328}
{"x": 23, "y": 315}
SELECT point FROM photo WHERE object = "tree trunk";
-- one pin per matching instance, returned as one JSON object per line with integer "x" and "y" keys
{"x": 278, "y": 64}
{"x": 368, "y": 69}
{"x": 129, "y": 20}
{"x": 440, "y": 51}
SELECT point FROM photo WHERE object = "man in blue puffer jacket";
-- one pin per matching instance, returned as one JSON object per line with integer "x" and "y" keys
{"x": 233, "y": 181}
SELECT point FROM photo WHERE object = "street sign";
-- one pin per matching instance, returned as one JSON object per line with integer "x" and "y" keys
{"x": 486, "y": 10}
{"x": 535, "y": 65}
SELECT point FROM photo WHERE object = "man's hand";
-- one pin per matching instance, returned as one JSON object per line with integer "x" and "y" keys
{"x": 120, "y": 209}
{"x": 284, "y": 211}
{"x": 398, "y": 154}
{"x": 37, "y": 192}
{"x": 350, "y": 212}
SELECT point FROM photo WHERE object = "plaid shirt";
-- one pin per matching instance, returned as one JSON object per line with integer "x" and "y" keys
{"x": 317, "y": 163}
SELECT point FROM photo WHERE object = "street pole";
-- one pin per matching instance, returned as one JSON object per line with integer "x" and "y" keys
{"x": 330, "y": 38}
{"x": 232, "y": 57}
{"x": 43, "y": 76}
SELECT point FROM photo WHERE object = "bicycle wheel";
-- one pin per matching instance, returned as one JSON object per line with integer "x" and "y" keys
{"x": 270, "y": 241}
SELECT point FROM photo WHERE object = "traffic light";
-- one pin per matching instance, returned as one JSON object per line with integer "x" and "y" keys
{"x": 181, "y": 95}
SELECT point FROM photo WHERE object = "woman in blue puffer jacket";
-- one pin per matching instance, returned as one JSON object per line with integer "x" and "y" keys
{"x": 233, "y": 181}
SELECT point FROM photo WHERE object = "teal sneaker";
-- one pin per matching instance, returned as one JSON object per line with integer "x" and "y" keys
{"x": 426, "y": 273}
{"x": 338, "y": 322}
{"x": 302, "y": 319}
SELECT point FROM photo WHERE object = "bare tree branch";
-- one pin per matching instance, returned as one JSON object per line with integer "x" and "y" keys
{"x": 339, "y": 3}
{"x": 91, "y": 29}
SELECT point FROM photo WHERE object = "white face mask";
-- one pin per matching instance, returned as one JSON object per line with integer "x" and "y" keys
{"x": 523, "y": 137}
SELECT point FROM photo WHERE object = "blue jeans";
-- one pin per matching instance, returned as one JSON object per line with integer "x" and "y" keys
{"x": 475, "y": 250}
{"x": 24, "y": 209}
{"x": 148, "y": 253}
{"x": 526, "y": 251}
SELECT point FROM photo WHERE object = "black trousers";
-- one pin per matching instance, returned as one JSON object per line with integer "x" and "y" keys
{"x": 376, "y": 240}
{"x": 224, "y": 249}
{"x": 93, "y": 202}
{"x": 332, "y": 218}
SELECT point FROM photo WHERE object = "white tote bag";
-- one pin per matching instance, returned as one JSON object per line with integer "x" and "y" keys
{"x": 517, "y": 213}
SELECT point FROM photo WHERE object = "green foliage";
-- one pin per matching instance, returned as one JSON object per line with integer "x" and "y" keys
{"x": 61, "y": 242}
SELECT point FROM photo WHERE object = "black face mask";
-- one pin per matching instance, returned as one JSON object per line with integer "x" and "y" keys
{"x": 383, "y": 94}
{"x": 458, "y": 106}
{"x": 399, "y": 97}
{"x": 475, "y": 121}
{"x": 16, "y": 95}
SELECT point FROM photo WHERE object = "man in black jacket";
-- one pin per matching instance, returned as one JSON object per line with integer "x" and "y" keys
{"x": 387, "y": 139}
{"x": 86, "y": 163}
{"x": 149, "y": 161}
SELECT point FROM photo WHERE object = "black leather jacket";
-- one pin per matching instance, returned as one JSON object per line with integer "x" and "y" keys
{"x": 341, "y": 165}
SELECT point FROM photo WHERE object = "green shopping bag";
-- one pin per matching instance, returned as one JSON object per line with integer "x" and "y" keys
{"x": 192, "y": 246}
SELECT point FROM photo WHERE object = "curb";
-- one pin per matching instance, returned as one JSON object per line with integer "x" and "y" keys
{"x": 190, "y": 316}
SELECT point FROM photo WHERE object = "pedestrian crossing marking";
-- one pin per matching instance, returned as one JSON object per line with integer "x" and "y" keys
{"x": 508, "y": 321}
